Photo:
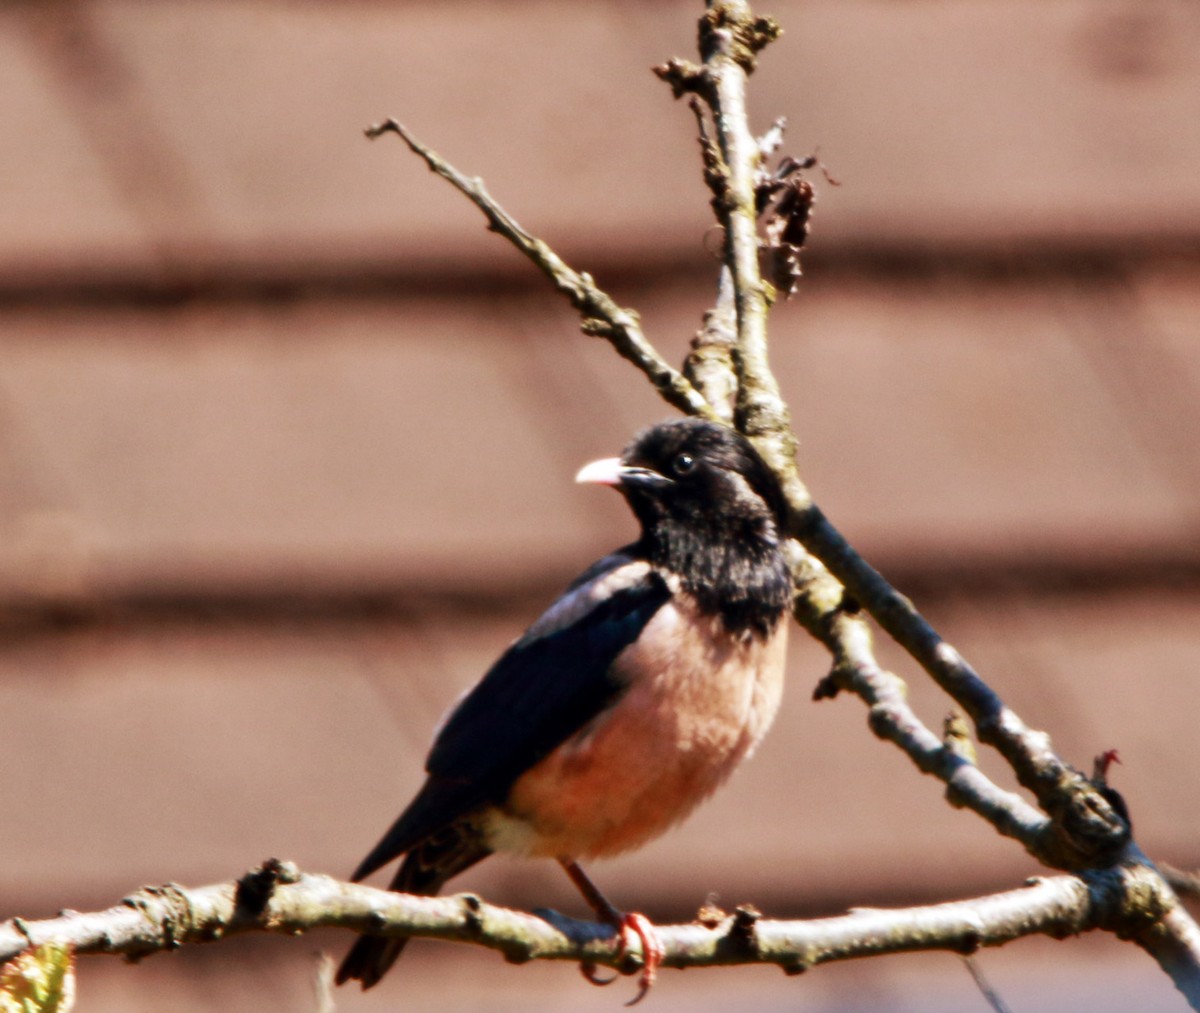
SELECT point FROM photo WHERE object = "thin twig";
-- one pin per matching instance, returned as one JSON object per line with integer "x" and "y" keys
{"x": 990, "y": 995}
{"x": 601, "y": 315}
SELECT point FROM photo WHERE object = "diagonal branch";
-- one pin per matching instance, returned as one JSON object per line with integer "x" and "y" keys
{"x": 847, "y": 637}
{"x": 602, "y": 316}
{"x": 730, "y": 37}
{"x": 1084, "y": 829}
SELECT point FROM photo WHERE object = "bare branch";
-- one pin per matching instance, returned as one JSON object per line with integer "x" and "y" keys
{"x": 602, "y": 317}
{"x": 1086, "y": 827}
{"x": 279, "y": 898}
{"x": 732, "y": 164}
{"x": 820, "y": 607}
{"x": 1085, "y": 830}
{"x": 710, "y": 363}
{"x": 730, "y": 37}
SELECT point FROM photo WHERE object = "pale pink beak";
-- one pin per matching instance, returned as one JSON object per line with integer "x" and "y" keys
{"x": 614, "y": 472}
{"x": 608, "y": 471}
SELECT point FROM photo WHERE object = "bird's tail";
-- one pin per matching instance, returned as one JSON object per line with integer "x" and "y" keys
{"x": 424, "y": 871}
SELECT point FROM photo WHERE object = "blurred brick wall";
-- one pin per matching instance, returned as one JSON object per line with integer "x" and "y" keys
{"x": 287, "y": 438}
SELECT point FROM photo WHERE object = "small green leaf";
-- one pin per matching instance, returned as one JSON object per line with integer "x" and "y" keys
{"x": 40, "y": 981}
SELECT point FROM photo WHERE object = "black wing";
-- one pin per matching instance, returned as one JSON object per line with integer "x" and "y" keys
{"x": 544, "y": 688}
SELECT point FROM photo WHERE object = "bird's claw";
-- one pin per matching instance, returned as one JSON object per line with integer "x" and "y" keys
{"x": 589, "y": 971}
{"x": 653, "y": 951}
{"x": 652, "y": 948}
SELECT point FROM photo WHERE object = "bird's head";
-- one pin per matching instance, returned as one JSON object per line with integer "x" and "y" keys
{"x": 689, "y": 480}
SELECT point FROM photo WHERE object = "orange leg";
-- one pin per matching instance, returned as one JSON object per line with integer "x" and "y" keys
{"x": 631, "y": 924}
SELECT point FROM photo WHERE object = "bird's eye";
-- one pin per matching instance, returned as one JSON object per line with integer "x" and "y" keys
{"x": 683, "y": 463}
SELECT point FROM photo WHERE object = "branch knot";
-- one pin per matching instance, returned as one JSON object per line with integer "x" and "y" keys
{"x": 169, "y": 909}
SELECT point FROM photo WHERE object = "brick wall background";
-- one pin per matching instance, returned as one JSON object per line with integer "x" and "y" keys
{"x": 287, "y": 441}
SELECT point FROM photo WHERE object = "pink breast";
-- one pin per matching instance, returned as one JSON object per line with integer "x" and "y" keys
{"x": 676, "y": 734}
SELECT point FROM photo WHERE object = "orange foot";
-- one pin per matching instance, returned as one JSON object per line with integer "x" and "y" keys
{"x": 653, "y": 952}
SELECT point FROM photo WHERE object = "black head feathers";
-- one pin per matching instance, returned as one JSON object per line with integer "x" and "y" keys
{"x": 713, "y": 470}
{"x": 711, "y": 512}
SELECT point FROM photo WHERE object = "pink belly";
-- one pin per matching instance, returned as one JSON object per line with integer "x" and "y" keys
{"x": 666, "y": 745}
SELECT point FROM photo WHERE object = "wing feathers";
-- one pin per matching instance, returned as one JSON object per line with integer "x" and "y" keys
{"x": 549, "y": 684}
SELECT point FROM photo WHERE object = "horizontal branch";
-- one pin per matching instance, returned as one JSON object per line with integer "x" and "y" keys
{"x": 279, "y": 898}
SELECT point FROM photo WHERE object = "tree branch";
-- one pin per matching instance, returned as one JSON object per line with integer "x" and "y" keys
{"x": 602, "y": 317}
{"x": 730, "y": 38}
{"x": 819, "y": 608}
{"x": 1083, "y": 830}
{"x": 279, "y": 898}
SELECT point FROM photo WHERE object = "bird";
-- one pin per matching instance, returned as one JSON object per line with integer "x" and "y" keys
{"x": 627, "y": 702}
